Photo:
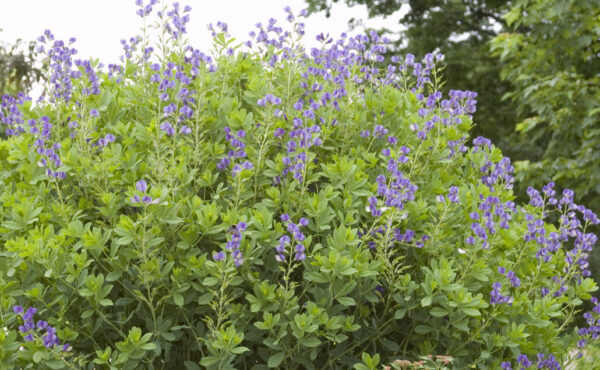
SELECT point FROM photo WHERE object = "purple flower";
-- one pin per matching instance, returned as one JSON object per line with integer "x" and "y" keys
{"x": 523, "y": 360}
{"x": 279, "y": 133}
{"x": 219, "y": 256}
{"x": 167, "y": 128}
{"x": 28, "y": 316}
{"x": 94, "y": 113}
{"x": 141, "y": 186}
{"x": 453, "y": 194}
{"x": 18, "y": 310}
{"x": 42, "y": 325}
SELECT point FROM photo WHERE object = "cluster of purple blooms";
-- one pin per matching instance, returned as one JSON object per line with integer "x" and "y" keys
{"x": 177, "y": 20}
{"x": 302, "y": 138}
{"x": 496, "y": 296}
{"x": 380, "y": 132}
{"x": 593, "y": 321}
{"x": 543, "y": 362}
{"x": 233, "y": 245}
{"x": 142, "y": 187}
{"x": 452, "y": 195}
{"x": 222, "y": 26}
{"x": 33, "y": 330}
{"x": 285, "y": 242}
{"x": 144, "y": 10}
{"x": 48, "y": 151}
{"x": 398, "y": 236}
{"x": 197, "y": 59}
{"x": 493, "y": 173}
{"x": 237, "y": 153}
{"x": 491, "y": 213}
{"x": 130, "y": 47}
{"x": 173, "y": 75}
{"x": 93, "y": 87}
{"x": 514, "y": 280}
{"x": 269, "y": 99}
{"x": 61, "y": 71}
{"x": 570, "y": 228}
{"x": 399, "y": 191}
{"x": 10, "y": 114}
{"x": 273, "y": 35}
{"x": 107, "y": 139}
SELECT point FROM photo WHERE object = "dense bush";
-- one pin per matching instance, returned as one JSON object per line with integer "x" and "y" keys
{"x": 264, "y": 206}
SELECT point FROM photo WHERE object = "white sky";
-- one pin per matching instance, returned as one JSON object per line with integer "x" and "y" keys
{"x": 99, "y": 25}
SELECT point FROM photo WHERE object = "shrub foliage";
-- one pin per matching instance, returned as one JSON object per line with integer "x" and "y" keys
{"x": 270, "y": 206}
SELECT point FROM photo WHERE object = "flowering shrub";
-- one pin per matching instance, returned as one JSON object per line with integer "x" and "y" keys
{"x": 271, "y": 206}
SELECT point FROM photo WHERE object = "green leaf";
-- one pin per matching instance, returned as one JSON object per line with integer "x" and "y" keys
{"x": 178, "y": 299}
{"x": 239, "y": 350}
{"x": 423, "y": 329}
{"x": 106, "y": 302}
{"x": 205, "y": 298}
{"x": 209, "y": 360}
{"x": 310, "y": 342}
{"x": 189, "y": 365}
{"x": 400, "y": 313}
{"x": 39, "y": 356}
{"x": 210, "y": 281}
{"x": 276, "y": 359}
{"x": 426, "y": 301}
{"x": 461, "y": 325}
{"x": 471, "y": 311}
{"x": 438, "y": 312}
{"x": 346, "y": 301}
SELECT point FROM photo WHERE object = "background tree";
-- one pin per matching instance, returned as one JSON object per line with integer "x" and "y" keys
{"x": 461, "y": 30}
{"x": 551, "y": 56}
{"x": 18, "y": 72}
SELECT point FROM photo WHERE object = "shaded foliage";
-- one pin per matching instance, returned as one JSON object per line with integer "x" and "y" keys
{"x": 551, "y": 55}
